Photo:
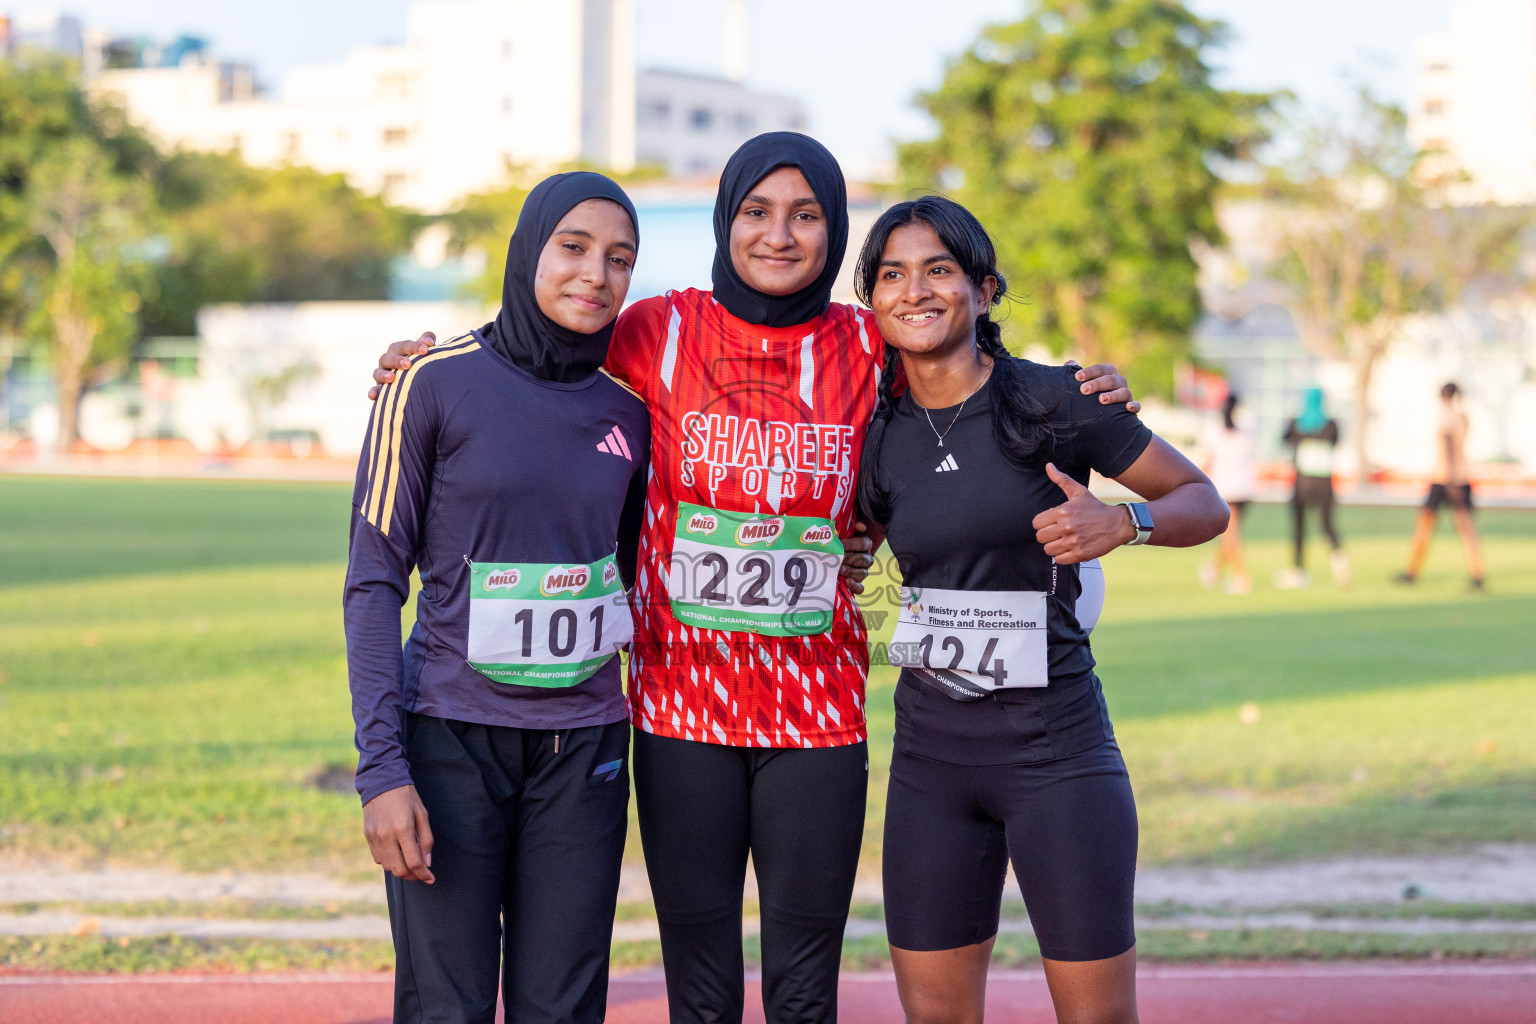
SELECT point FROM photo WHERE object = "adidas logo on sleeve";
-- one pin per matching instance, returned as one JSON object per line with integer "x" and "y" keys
{"x": 949, "y": 465}
{"x": 615, "y": 444}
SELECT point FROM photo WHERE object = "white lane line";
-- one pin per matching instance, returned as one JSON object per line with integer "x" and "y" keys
{"x": 66, "y": 923}
{"x": 1188, "y": 971}
{"x": 1432, "y": 969}
{"x": 25, "y": 980}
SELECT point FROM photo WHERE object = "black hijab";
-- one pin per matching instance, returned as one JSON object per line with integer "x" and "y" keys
{"x": 754, "y": 161}
{"x": 521, "y": 331}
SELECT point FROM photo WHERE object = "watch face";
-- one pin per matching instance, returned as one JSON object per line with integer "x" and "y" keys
{"x": 1142, "y": 515}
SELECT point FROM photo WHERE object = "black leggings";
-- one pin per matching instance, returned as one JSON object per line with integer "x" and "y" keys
{"x": 1314, "y": 491}
{"x": 800, "y": 814}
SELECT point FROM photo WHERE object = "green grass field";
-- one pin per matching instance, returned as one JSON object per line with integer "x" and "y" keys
{"x": 173, "y": 683}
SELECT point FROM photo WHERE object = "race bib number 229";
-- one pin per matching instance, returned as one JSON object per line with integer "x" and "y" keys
{"x": 749, "y": 573}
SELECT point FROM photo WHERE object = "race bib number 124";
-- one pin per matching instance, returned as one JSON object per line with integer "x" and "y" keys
{"x": 973, "y": 641}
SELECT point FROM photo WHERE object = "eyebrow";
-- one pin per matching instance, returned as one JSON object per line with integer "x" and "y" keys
{"x": 794, "y": 205}
{"x": 942, "y": 257}
{"x": 579, "y": 233}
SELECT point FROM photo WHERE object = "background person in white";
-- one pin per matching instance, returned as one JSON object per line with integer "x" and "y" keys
{"x": 1230, "y": 464}
{"x": 1452, "y": 486}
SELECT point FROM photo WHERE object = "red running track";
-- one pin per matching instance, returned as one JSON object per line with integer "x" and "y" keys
{"x": 1365, "y": 993}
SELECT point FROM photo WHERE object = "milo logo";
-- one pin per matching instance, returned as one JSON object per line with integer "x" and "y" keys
{"x": 701, "y": 523}
{"x": 759, "y": 531}
{"x": 503, "y": 580}
{"x": 610, "y": 573}
{"x": 817, "y": 535}
{"x": 562, "y": 580}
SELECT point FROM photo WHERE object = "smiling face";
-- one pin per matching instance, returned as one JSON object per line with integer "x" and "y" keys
{"x": 585, "y": 266}
{"x": 924, "y": 303}
{"x": 779, "y": 234}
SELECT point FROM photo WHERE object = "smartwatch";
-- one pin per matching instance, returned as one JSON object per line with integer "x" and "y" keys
{"x": 1141, "y": 520}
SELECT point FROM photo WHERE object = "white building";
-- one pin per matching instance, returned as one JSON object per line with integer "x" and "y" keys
{"x": 477, "y": 85}
{"x": 691, "y": 124}
{"x": 1476, "y": 97}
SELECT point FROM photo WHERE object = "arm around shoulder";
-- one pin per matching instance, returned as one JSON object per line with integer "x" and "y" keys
{"x": 637, "y": 336}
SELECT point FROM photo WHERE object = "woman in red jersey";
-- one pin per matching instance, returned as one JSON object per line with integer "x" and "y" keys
{"x": 748, "y": 669}
{"x": 747, "y": 676}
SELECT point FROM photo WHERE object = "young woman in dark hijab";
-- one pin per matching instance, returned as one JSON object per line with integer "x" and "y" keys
{"x": 522, "y": 331}
{"x": 747, "y": 674}
{"x": 509, "y": 471}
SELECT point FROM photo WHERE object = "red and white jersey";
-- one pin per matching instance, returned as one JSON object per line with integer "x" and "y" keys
{"x": 747, "y": 419}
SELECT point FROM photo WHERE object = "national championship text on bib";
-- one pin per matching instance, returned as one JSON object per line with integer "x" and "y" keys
{"x": 973, "y": 641}
{"x": 545, "y": 625}
{"x": 749, "y": 573}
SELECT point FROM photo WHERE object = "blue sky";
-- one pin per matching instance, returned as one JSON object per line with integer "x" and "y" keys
{"x": 857, "y": 64}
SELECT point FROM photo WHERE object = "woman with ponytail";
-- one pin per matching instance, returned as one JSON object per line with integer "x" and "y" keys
{"x": 977, "y": 471}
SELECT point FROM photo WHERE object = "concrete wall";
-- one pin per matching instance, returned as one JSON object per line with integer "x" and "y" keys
{"x": 340, "y": 341}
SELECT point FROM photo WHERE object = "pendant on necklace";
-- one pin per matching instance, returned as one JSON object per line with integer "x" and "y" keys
{"x": 941, "y": 442}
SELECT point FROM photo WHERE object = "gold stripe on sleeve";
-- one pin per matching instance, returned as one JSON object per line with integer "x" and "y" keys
{"x": 381, "y": 450}
{"x": 620, "y": 383}
{"x": 375, "y": 436}
{"x": 389, "y": 402}
{"x": 398, "y": 421}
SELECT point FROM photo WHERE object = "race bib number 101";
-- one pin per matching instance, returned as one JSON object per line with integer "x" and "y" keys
{"x": 545, "y": 625}
{"x": 748, "y": 573}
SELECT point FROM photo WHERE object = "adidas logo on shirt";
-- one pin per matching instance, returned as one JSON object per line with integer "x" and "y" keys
{"x": 614, "y": 444}
{"x": 949, "y": 465}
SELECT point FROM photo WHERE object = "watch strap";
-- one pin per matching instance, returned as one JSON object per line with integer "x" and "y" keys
{"x": 1141, "y": 522}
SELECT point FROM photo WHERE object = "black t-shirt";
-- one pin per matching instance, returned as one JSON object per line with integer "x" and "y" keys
{"x": 961, "y": 518}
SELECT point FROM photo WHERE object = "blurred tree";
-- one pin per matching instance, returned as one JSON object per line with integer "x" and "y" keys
{"x": 1087, "y": 138}
{"x": 74, "y": 202}
{"x": 482, "y": 222}
{"x": 236, "y": 233}
{"x": 41, "y": 107}
{"x": 1369, "y": 236}
{"x": 100, "y": 236}
{"x": 92, "y": 220}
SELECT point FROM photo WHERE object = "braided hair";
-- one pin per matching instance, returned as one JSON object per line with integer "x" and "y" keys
{"x": 1020, "y": 421}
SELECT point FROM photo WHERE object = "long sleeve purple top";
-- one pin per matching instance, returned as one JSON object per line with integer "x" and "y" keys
{"x": 470, "y": 459}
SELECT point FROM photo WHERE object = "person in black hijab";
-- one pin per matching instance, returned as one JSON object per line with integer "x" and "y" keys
{"x": 509, "y": 473}
{"x": 754, "y": 161}
{"x": 522, "y": 331}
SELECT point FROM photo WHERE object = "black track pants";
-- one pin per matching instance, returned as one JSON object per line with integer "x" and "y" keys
{"x": 1312, "y": 492}
{"x": 800, "y": 814}
{"x": 528, "y": 847}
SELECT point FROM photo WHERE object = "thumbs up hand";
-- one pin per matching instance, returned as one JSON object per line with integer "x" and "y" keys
{"x": 1083, "y": 527}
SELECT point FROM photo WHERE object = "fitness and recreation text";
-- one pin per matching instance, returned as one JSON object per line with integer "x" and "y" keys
{"x": 980, "y": 640}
